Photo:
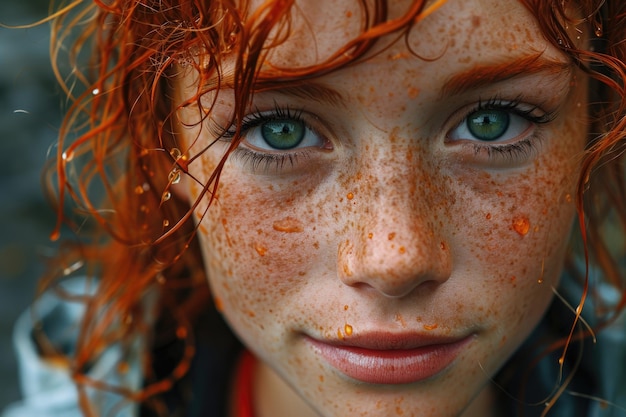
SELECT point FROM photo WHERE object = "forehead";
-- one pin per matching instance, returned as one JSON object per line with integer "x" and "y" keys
{"x": 319, "y": 29}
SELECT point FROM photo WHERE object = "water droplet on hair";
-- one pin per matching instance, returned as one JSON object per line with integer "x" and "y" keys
{"x": 598, "y": 31}
{"x": 73, "y": 268}
{"x": 166, "y": 196}
{"x": 95, "y": 91}
{"x": 67, "y": 156}
{"x": 348, "y": 330}
{"x": 166, "y": 223}
{"x": 174, "y": 177}
{"x": 521, "y": 225}
{"x": 176, "y": 153}
{"x": 161, "y": 279}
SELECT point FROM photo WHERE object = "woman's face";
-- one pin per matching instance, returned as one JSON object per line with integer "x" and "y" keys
{"x": 386, "y": 236}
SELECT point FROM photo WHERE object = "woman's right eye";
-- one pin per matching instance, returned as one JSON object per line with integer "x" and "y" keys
{"x": 278, "y": 131}
{"x": 281, "y": 134}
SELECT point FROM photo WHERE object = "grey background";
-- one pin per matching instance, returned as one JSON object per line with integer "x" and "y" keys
{"x": 30, "y": 112}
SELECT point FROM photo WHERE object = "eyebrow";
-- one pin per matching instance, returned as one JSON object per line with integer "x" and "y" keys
{"x": 307, "y": 90}
{"x": 483, "y": 75}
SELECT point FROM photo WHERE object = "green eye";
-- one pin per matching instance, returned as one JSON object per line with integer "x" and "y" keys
{"x": 283, "y": 134}
{"x": 488, "y": 125}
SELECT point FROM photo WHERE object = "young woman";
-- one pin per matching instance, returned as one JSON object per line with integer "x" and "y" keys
{"x": 399, "y": 208}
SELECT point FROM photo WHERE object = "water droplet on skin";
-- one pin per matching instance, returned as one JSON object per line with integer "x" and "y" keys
{"x": 348, "y": 330}
{"x": 174, "y": 177}
{"x": 488, "y": 216}
{"x": 139, "y": 189}
{"x": 430, "y": 326}
{"x": 288, "y": 225}
{"x": 166, "y": 196}
{"x": 350, "y": 196}
{"x": 521, "y": 225}
{"x": 260, "y": 249}
{"x": 568, "y": 198}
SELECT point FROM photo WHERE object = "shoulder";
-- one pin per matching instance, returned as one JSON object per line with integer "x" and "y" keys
{"x": 47, "y": 386}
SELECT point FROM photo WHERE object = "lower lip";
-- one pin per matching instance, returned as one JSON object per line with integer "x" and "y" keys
{"x": 402, "y": 366}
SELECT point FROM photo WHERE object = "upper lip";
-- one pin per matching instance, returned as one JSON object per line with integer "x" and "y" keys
{"x": 383, "y": 340}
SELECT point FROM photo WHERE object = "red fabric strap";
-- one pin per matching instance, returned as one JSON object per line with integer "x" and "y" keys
{"x": 243, "y": 386}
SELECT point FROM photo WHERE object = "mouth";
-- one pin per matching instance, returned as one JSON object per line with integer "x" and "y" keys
{"x": 386, "y": 358}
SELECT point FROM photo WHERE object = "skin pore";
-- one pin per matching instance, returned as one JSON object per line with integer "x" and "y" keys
{"x": 390, "y": 218}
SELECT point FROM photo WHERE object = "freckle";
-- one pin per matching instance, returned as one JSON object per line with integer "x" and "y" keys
{"x": 321, "y": 377}
{"x": 402, "y": 250}
{"x": 430, "y": 326}
{"x": 288, "y": 225}
{"x": 250, "y": 313}
{"x": 370, "y": 235}
{"x": 521, "y": 225}
{"x": 391, "y": 236}
{"x": 488, "y": 216}
{"x": 348, "y": 330}
{"x": 203, "y": 229}
{"x": 260, "y": 249}
{"x": 350, "y": 196}
{"x": 301, "y": 273}
{"x": 413, "y": 92}
{"x": 346, "y": 270}
{"x": 346, "y": 307}
{"x": 349, "y": 13}
{"x": 442, "y": 245}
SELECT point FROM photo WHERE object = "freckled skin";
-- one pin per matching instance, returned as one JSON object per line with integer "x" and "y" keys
{"x": 395, "y": 228}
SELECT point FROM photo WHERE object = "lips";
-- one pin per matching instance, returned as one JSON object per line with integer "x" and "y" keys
{"x": 385, "y": 358}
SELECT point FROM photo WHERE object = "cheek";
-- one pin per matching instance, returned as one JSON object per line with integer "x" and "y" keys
{"x": 260, "y": 248}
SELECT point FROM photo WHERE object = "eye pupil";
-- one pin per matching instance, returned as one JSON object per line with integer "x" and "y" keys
{"x": 488, "y": 125}
{"x": 283, "y": 134}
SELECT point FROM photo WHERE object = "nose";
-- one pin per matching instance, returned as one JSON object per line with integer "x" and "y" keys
{"x": 394, "y": 245}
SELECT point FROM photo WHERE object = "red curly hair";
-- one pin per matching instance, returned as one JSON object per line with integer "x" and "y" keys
{"x": 118, "y": 156}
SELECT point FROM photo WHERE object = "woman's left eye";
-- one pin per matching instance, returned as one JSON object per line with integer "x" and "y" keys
{"x": 492, "y": 125}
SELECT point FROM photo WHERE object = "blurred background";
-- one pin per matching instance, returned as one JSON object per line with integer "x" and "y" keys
{"x": 30, "y": 112}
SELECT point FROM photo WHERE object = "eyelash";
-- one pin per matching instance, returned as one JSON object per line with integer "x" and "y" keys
{"x": 519, "y": 150}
